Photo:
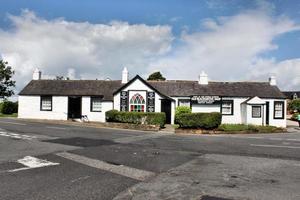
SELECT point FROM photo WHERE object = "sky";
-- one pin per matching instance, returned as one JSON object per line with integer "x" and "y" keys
{"x": 231, "y": 40}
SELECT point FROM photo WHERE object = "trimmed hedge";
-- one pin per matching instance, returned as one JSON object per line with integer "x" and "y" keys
{"x": 136, "y": 117}
{"x": 199, "y": 120}
{"x": 8, "y": 107}
{"x": 182, "y": 109}
{"x": 249, "y": 128}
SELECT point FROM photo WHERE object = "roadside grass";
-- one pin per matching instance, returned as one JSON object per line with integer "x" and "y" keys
{"x": 10, "y": 115}
{"x": 249, "y": 128}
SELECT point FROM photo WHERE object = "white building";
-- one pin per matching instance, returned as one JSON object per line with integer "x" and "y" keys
{"x": 259, "y": 103}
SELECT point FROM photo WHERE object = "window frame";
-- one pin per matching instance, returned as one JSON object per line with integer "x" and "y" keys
{"x": 143, "y": 106}
{"x": 187, "y": 100}
{"x": 41, "y": 103}
{"x": 232, "y": 106}
{"x": 283, "y": 110}
{"x": 91, "y": 103}
{"x": 255, "y": 106}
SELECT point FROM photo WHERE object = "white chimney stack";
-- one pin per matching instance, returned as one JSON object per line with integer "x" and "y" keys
{"x": 37, "y": 74}
{"x": 272, "y": 80}
{"x": 203, "y": 78}
{"x": 125, "y": 75}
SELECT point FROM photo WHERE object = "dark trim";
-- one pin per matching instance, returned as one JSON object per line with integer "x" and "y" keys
{"x": 232, "y": 106}
{"x": 41, "y": 99}
{"x": 283, "y": 110}
{"x": 259, "y": 111}
{"x": 146, "y": 83}
{"x": 91, "y": 101}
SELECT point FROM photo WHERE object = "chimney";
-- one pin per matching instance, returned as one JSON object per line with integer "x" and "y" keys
{"x": 37, "y": 74}
{"x": 203, "y": 78}
{"x": 125, "y": 75}
{"x": 272, "y": 80}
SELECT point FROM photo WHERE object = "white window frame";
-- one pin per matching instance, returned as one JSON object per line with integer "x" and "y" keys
{"x": 231, "y": 103}
{"x": 97, "y": 100}
{"x": 46, "y": 106}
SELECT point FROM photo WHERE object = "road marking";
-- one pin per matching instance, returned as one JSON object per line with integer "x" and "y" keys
{"x": 16, "y": 136}
{"x": 55, "y": 127}
{"x": 275, "y": 146}
{"x": 15, "y": 123}
{"x": 31, "y": 163}
{"x": 123, "y": 170}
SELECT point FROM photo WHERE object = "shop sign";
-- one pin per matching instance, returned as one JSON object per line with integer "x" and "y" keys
{"x": 205, "y": 99}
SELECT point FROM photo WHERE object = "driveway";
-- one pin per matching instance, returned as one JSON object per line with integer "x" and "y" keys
{"x": 55, "y": 161}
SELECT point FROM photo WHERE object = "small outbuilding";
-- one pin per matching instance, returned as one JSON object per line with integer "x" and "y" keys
{"x": 260, "y": 103}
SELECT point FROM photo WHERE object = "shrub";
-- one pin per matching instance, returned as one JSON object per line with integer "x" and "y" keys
{"x": 8, "y": 107}
{"x": 249, "y": 128}
{"x": 295, "y": 116}
{"x": 294, "y": 105}
{"x": 136, "y": 117}
{"x": 199, "y": 120}
{"x": 182, "y": 110}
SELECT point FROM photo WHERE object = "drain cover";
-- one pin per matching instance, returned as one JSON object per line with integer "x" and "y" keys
{"x": 81, "y": 142}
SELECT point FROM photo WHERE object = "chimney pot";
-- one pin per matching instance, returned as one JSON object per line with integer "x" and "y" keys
{"x": 272, "y": 80}
{"x": 37, "y": 74}
{"x": 125, "y": 75}
{"x": 203, "y": 78}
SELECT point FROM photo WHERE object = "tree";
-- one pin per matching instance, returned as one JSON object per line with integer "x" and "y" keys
{"x": 6, "y": 82}
{"x": 294, "y": 105}
{"x": 156, "y": 76}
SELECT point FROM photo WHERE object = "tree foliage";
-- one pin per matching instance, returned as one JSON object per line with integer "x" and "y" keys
{"x": 294, "y": 105}
{"x": 6, "y": 82}
{"x": 156, "y": 76}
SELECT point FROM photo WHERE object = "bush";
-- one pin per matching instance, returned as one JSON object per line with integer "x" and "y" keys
{"x": 249, "y": 128}
{"x": 8, "y": 107}
{"x": 295, "y": 116}
{"x": 294, "y": 105}
{"x": 182, "y": 110}
{"x": 199, "y": 120}
{"x": 136, "y": 117}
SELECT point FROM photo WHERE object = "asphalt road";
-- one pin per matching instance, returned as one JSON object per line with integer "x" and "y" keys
{"x": 49, "y": 161}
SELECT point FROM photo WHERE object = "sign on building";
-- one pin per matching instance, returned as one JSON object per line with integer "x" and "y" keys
{"x": 205, "y": 99}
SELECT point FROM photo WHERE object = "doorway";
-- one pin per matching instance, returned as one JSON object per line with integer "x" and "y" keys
{"x": 267, "y": 113}
{"x": 74, "y": 107}
{"x": 166, "y": 108}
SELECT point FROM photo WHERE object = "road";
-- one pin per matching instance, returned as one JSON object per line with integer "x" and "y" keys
{"x": 55, "y": 161}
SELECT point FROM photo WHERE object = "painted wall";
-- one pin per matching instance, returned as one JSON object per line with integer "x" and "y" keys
{"x": 95, "y": 116}
{"x": 29, "y": 107}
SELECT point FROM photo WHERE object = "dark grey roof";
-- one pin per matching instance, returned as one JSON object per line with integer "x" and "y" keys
{"x": 72, "y": 88}
{"x": 229, "y": 89}
{"x": 168, "y": 88}
{"x": 290, "y": 94}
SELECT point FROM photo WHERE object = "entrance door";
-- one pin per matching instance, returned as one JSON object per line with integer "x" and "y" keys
{"x": 267, "y": 113}
{"x": 74, "y": 108}
{"x": 166, "y": 108}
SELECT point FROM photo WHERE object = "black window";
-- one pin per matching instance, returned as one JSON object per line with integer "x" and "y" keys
{"x": 96, "y": 104}
{"x": 46, "y": 103}
{"x": 278, "y": 109}
{"x": 256, "y": 111}
{"x": 227, "y": 107}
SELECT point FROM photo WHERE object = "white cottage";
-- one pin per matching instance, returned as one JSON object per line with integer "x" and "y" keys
{"x": 259, "y": 103}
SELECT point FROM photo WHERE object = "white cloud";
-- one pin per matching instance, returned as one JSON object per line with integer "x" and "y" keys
{"x": 81, "y": 50}
{"x": 230, "y": 48}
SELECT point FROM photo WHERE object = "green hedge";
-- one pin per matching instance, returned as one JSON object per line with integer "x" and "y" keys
{"x": 8, "y": 107}
{"x": 249, "y": 128}
{"x": 136, "y": 117}
{"x": 199, "y": 120}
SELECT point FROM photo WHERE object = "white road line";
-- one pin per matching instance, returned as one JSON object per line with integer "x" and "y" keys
{"x": 15, "y": 123}
{"x": 31, "y": 163}
{"x": 55, "y": 127}
{"x": 274, "y": 146}
{"x": 133, "y": 173}
{"x": 16, "y": 136}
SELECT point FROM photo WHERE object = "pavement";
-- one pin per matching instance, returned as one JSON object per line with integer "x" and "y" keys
{"x": 40, "y": 160}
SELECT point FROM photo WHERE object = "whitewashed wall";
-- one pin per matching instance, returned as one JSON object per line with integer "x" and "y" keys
{"x": 276, "y": 122}
{"x": 95, "y": 116}
{"x": 236, "y": 118}
{"x": 29, "y": 107}
{"x": 205, "y": 108}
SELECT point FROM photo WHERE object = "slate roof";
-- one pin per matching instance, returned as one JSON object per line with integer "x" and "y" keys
{"x": 290, "y": 94}
{"x": 169, "y": 88}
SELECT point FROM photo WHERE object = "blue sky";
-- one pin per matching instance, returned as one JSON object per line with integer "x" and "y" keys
{"x": 179, "y": 26}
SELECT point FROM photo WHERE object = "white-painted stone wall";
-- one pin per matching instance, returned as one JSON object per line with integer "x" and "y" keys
{"x": 29, "y": 107}
{"x": 95, "y": 116}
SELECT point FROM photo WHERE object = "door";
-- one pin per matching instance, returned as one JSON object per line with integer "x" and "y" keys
{"x": 166, "y": 108}
{"x": 267, "y": 113}
{"x": 74, "y": 108}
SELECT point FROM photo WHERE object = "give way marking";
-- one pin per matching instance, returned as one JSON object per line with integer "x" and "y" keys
{"x": 31, "y": 162}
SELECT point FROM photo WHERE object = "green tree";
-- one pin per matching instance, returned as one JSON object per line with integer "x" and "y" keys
{"x": 6, "y": 82}
{"x": 294, "y": 105}
{"x": 156, "y": 76}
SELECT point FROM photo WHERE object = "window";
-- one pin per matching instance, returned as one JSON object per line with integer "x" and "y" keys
{"x": 137, "y": 103}
{"x": 96, "y": 104}
{"x": 278, "y": 109}
{"x": 227, "y": 107}
{"x": 256, "y": 111}
{"x": 184, "y": 102}
{"x": 46, "y": 103}
{"x": 295, "y": 96}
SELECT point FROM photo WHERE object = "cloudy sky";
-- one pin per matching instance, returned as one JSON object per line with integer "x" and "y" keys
{"x": 232, "y": 40}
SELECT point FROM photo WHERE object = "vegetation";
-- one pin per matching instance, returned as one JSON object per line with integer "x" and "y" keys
{"x": 295, "y": 116}
{"x": 199, "y": 120}
{"x": 136, "y": 117}
{"x": 6, "y": 82}
{"x": 8, "y": 107}
{"x": 156, "y": 76}
{"x": 294, "y": 105}
{"x": 182, "y": 110}
{"x": 249, "y": 128}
